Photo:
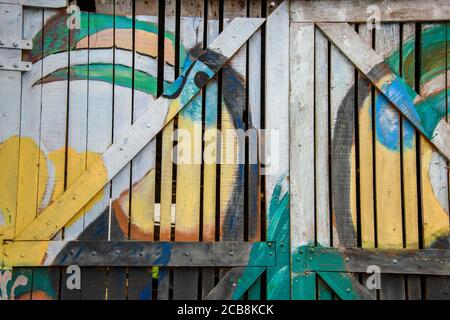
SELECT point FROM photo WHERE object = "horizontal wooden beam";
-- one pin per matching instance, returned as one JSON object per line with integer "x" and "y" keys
{"x": 120, "y": 153}
{"x": 138, "y": 254}
{"x": 38, "y": 3}
{"x": 398, "y": 261}
{"x": 427, "y": 119}
{"x": 360, "y": 11}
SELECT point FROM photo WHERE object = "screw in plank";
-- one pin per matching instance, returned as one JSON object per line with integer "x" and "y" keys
{"x": 141, "y": 254}
{"x": 231, "y": 253}
{"x": 48, "y": 223}
{"x": 93, "y": 253}
{"x": 186, "y": 254}
{"x": 22, "y": 256}
{"x": 1, "y": 43}
{"x": 395, "y": 261}
{"x": 348, "y": 290}
{"x": 16, "y": 65}
{"x": 298, "y": 258}
{"x": 15, "y": 44}
{"x": 344, "y": 36}
{"x": 117, "y": 252}
{"x": 347, "y": 259}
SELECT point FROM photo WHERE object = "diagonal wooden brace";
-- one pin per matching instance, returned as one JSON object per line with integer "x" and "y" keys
{"x": 177, "y": 96}
{"x": 427, "y": 120}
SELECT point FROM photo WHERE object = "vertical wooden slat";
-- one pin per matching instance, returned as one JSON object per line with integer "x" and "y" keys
{"x": 143, "y": 166}
{"x": 433, "y": 167}
{"x": 365, "y": 141}
{"x": 210, "y": 147}
{"x": 100, "y": 108}
{"x": 365, "y": 130}
{"x": 409, "y": 154}
{"x": 321, "y": 141}
{"x": 253, "y": 127}
{"x": 321, "y": 110}
{"x": 10, "y": 93}
{"x": 301, "y": 123}
{"x": 387, "y": 165}
{"x": 231, "y": 172}
{"x": 77, "y": 147}
{"x": 166, "y": 205}
{"x": 123, "y": 109}
{"x": 342, "y": 119}
{"x": 277, "y": 149}
{"x": 15, "y": 25}
{"x": 188, "y": 166}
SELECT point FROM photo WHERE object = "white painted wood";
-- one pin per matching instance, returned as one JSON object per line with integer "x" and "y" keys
{"x": 302, "y": 133}
{"x": 321, "y": 110}
{"x": 361, "y": 11}
{"x": 39, "y": 3}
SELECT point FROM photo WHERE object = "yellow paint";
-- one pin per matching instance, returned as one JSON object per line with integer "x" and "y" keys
{"x": 146, "y": 42}
{"x": 410, "y": 197}
{"x": 209, "y": 188}
{"x": 61, "y": 211}
{"x": 188, "y": 186}
{"x": 173, "y": 110}
{"x": 24, "y": 253}
{"x": 366, "y": 174}
{"x": 389, "y": 210}
{"x": 142, "y": 208}
{"x": 9, "y": 158}
{"x": 31, "y": 185}
{"x": 435, "y": 219}
{"x": 166, "y": 183}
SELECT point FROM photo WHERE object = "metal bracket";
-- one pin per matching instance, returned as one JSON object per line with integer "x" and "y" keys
{"x": 16, "y": 66}
{"x": 16, "y": 44}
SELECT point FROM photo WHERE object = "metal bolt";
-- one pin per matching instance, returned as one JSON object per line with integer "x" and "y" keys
{"x": 15, "y": 44}
{"x": 395, "y": 261}
{"x": 310, "y": 258}
{"x": 270, "y": 254}
{"x": 186, "y": 254}
{"x": 347, "y": 259}
{"x": 16, "y": 65}
{"x": 22, "y": 256}
{"x": 1, "y": 43}
{"x": 148, "y": 125}
{"x": 141, "y": 253}
{"x": 117, "y": 252}
{"x": 301, "y": 251}
{"x": 311, "y": 250}
{"x": 344, "y": 36}
{"x": 298, "y": 258}
{"x": 348, "y": 290}
{"x": 72, "y": 251}
{"x": 234, "y": 284}
{"x": 93, "y": 253}
{"x": 389, "y": 82}
{"x": 48, "y": 223}
{"x": 231, "y": 253}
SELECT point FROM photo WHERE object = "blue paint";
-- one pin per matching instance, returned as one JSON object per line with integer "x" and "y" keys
{"x": 387, "y": 124}
{"x": 146, "y": 293}
{"x": 164, "y": 253}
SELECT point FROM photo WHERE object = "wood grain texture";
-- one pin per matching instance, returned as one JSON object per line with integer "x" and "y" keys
{"x": 343, "y": 162}
{"x": 143, "y": 130}
{"x": 404, "y": 98}
{"x": 187, "y": 221}
{"x": 388, "y": 166}
{"x": 359, "y": 11}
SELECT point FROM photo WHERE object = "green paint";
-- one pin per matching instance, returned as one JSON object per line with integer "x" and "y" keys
{"x": 122, "y": 76}
{"x": 304, "y": 286}
{"x": 55, "y": 37}
{"x": 341, "y": 284}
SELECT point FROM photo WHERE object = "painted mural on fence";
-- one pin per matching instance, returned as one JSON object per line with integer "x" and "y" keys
{"x": 97, "y": 70}
{"x": 434, "y": 69}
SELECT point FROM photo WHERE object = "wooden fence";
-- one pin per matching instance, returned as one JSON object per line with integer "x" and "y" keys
{"x": 109, "y": 109}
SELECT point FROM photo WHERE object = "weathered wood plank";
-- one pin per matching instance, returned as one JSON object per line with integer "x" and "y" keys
{"x": 277, "y": 147}
{"x": 167, "y": 174}
{"x": 189, "y": 154}
{"x": 138, "y": 136}
{"x": 10, "y": 94}
{"x": 430, "y": 124}
{"x": 433, "y": 167}
{"x": 346, "y": 286}
{"x": 210, "y": 150}
{"x": 387, "y": 165}
{"x": 121, "y": 253}
{"x": 343, "y": 160}
{"x": 253, "y": 210}
{"x": 409, "y": 157}
{"x": 39, "y": 3}
{"x": 394, "y": 261}
{"x": 360, "y": 11}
